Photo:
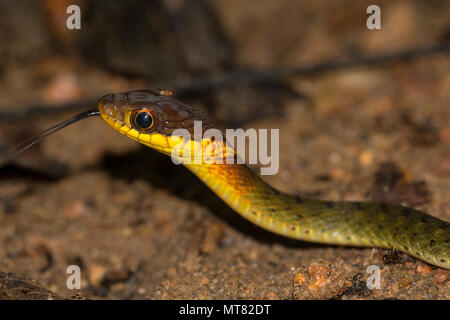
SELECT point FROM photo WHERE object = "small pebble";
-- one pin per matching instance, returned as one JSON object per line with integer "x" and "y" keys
{"x": 96, "y": 274}
{"x": 299, "y": 279}
{"x": 366, "y": 158}
{"x": 424, "y": 269}
{"x": 441, "y": 276}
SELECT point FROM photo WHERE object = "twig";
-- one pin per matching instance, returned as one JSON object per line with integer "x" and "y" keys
{"x": 277, "y": 74}
{"x": 241, "y": 77}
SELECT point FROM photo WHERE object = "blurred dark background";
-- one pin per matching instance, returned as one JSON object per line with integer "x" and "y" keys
{"x": 190, "y": 45}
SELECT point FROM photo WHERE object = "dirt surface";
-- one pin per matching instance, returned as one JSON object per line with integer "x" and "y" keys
{"x": 140, "y": 227}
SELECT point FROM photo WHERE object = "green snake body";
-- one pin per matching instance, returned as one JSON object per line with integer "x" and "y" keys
{"x": 344, "y": 223}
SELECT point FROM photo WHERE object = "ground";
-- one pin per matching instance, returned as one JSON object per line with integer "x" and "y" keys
{"x": 140, "y": 227}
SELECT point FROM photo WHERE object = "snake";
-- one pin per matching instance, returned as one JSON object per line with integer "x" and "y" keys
{"x": 153, "y": 118}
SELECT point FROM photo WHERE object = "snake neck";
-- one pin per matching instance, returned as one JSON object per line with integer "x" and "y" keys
{"x": 246, "y": 193}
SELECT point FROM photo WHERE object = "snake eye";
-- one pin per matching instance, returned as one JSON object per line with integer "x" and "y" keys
{"x": 143, "y": 120}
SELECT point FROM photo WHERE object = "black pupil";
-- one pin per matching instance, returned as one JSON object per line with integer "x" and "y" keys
{"x": 144, "y": 120}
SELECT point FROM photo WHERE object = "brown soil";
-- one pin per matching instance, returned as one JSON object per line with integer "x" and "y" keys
{"x": 141, "y": 227}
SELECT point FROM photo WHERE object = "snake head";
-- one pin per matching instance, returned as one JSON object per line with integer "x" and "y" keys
{"x": 151, "y": 118}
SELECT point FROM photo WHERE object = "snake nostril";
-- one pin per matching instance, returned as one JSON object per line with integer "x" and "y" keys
{"x": 110, "y": 111}
{"x": 106, "y": 106}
